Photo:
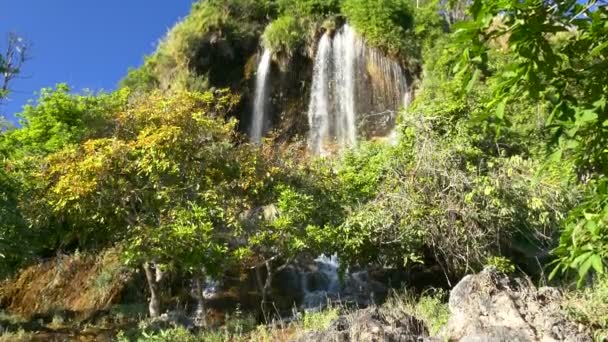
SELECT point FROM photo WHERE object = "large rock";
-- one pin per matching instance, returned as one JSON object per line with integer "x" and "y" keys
{"x": 491, "y": 307}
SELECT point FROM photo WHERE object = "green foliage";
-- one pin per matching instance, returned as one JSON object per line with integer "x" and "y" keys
{"x": 583, "y": 245}
{"x": 361, "y": 170}
{"x": 210, "y": 47}
{"x": 305, "y": 203}
{"x": 58, "y": 119}
{"x": 384, "y": 23}
{"x": 283, "y": 35}
{"x": 140, "y": 79}
{"x": 316, "y": 9}
{"x": 548, "y": 66}
{"x": 163, "y": 179}
{"x": 502, "y": 264}
{"x": 13, "y": 234}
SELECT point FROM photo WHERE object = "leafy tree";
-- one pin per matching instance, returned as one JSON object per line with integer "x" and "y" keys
{"x": 546, "y": 40}
{"x": 164, "y": 183}
{"x": 60, "y": 118}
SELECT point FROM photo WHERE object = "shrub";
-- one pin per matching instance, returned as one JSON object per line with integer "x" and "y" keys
{"x": 583, "y": 245}
{"x": 502, "y": 264}
{"x": 140, "y": 79}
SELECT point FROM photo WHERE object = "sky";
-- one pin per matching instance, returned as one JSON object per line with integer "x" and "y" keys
{"x": 89, "y": 44}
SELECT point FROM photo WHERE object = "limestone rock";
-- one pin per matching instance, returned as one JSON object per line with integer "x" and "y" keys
{"x": 491, "y": 307}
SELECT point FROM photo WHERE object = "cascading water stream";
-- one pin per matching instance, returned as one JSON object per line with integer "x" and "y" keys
{"x": 352, "y": 79}
{"x": 345, "y": 51}
{"x": 318, "y": 109}
{"x": 258, "y": 118}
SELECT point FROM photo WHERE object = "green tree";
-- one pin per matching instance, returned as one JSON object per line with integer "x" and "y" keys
{"x": 166, "y": 184}
{"x": 60, "y": 118}
{"x": 546, "y": 40}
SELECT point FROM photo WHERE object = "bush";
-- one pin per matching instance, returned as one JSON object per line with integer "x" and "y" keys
{"x": 283, "y": 35}
{"x": 445, "y": 200}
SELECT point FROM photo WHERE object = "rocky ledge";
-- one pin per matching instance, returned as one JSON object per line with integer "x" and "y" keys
{"x": 488, "y": 307}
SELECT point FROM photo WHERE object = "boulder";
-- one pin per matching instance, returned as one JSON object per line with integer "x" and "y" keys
{"x": 491, "y": 307}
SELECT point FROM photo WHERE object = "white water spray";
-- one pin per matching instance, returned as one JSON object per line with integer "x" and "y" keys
{"x": 258, "y": 118}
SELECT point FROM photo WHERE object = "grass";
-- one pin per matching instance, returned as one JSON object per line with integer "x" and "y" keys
{"x": 321, "y": 320}
{"x": 431, "y": 308}
{"x": 590, "y": 307}
{"x": 15, "y": 336}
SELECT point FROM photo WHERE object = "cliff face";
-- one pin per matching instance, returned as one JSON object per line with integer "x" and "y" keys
{"x": 220, "y": 46}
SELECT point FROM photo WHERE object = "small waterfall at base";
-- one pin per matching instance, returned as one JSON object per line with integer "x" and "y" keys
{"x": 318, "y": 109}
{"x": 322, "y": 285}
{"x": 258, "y": 118}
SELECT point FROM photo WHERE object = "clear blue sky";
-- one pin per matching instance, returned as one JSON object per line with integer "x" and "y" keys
{"x": 86, "y": 43}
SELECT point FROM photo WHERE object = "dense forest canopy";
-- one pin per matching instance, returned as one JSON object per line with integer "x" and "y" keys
{"x": 500, "y": 158}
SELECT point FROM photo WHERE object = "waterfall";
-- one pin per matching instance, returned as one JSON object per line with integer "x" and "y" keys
{"x": 321, "y": 285}
{"x": 351, "y": 79}
{"x": 258, "y": 118}
{"x": 318, "y": 109}
{"x": 345, "y": 51}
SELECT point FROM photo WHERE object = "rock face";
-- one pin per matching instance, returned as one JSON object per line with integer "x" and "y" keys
{"x": 371, "y": 326}
{"x": 491, "y": 307}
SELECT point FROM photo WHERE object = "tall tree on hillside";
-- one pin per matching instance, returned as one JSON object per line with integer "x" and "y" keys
{"x": 12, "y": 59}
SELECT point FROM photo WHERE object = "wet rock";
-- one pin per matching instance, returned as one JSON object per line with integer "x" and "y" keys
{"x": 369, "y": 325}
{"x": 490, "y": 306}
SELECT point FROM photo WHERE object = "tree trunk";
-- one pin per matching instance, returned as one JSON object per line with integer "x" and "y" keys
{"x": 265, "y": 286}
{"x": 201, "y": 312}
{"x": 151, "y": 277}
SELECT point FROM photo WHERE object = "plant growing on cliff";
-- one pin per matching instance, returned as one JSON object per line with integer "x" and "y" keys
{"x": 384, "y": 23}
{"x": 315, "y": 9}
{"x": 283, "y": 35}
